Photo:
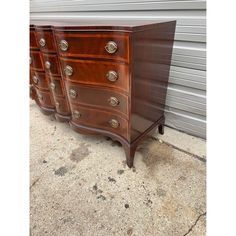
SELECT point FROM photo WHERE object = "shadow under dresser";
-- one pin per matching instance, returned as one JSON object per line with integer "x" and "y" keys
{"x": 106, "y": 77}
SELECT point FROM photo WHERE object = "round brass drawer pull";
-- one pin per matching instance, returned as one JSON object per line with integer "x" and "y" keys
{"x": 112, "y": 76}
{"x": 111, "y": 47}
{"x": 42, "y": 42}
{"x": 47, "y": 64}
{"x": 57, "y": 104}
{"x": 63, "y": 45}
{"x": 52, "y": 86}
{"x": 72, "y": 93}
{"x": 68, "y": 70}
{"x": 76, "y": 114}
{"x": 40, "y": 97}
{"x": 113, "y": 101}
{"x": 35, "y": 79}
{"x": 114, "y": 123}
{"x": 30, "y": 60}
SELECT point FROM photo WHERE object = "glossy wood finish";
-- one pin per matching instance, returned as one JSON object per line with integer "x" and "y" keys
{"x": 39, "y": 90}
{"x": 93, "y": 72}
{"x": 54, "y": 64}
{"x": 45, "y": 99}
{"x": 150, "y": 69}
{"x": 128, "y": 104}
{"x": 36, "y": 62}
{"x": 39, "y": 80}
{"x": 98, "y": 97}
{"x": 56, "y": 86}
{"x": 92, "y": 45}
{"x": 99, "y": 119}
{"x": 48, "y": 53}
{"x": 47, "y": 35}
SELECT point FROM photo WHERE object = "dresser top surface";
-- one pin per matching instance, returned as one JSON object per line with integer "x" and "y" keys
{"x": 99, "y": 24}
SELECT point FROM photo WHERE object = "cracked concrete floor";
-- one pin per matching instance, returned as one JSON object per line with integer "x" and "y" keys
{"x": 80, "y": 186}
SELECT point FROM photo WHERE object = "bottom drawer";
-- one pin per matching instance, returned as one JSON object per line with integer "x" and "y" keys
{"x": 99, "y": 119}
{"x": 61, "y": 106}
{"x": 45, "y": 99}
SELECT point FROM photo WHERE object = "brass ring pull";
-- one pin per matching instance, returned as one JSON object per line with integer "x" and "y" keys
{"x": 63, "y": 45}
{"x": 76, "y": 114}
{"x": 52, "y": 86}
{"x": 113, "y": 101}
{"x": 114, "y": 123}
{"x": 111, "y": 47}
{"x": 72, "y": 93}
{"x": 112, "y": 76}
{"x": 57, "y": 104}
{"x": 42, "y": 42}
{"x": 47, "y": 64}
{"x": 68, "y": 70}
{"x": 40, "y": 97}
{"x": 35, "y": 79}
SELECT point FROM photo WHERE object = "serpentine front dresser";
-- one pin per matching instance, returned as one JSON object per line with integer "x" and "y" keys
{"x": 106, "y": 77}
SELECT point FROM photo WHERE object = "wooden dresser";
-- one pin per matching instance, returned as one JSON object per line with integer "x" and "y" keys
{"x": 103, "y": 77}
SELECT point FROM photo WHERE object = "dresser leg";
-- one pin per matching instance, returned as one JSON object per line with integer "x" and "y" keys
{"x": 130, "y": 152}
{"x": 161, "y": 129}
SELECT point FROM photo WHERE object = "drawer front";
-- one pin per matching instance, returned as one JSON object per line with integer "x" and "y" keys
{"x": 45, "y": 41}
{"x": 102, "y": 98}
{"x": 110, "y": 45}
{"x": 51, "y": 64}
{"x": 99, "y": 119}
{"x": 36, "y": 61}
{"x": 104, "y": 73}
{"x": 56, "y": 86}
{"x": 33, "y": 42}
{"x": 40, "y": 80}
{"x": 45, "y": 99}
{"x": 61, "y": 106}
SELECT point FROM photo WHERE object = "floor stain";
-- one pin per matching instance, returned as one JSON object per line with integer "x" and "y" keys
{"x": 61, "y": 171}
{"x": 155, "y": 154}
{"x": 160, "y": 192}
{"x": 80, "y": 153}
{"x": 101, "y": 197}
{"x": 130, "y": 231}
{"x": 120, "y": 172}
{"x": 67, "y": 220}
{"x": 111, "y": 179}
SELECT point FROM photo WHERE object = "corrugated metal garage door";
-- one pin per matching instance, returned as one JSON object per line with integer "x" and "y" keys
{"x": 186, "y": 98}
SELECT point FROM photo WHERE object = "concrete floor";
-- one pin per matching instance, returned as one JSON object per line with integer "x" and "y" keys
{"x": 81, "y": 186}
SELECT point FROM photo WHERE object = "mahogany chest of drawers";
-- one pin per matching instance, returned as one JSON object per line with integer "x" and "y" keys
{"x": 106, "y": 77}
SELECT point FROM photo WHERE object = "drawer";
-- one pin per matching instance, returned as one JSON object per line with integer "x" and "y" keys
{"x": 51, "y": 64}
{"x": 33, "y": 42}
{"x": 45, "y": 99}
{"x": 99, "y": 97}
{"x": 36, "y": 61}
{"x": 103, "y": 73}
{"x": 109, "y": 45}
{"x": 56, "y": 86}
{"x": 99, "y": 119}
{"x": 39, "y": 80}
{"x": 45, "y": 40}
{"x": 61, "y": 106}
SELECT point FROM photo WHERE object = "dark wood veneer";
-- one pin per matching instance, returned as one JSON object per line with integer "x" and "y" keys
{"x": 125, "y": 107}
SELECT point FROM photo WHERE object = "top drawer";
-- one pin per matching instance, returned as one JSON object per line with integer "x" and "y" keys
{"x": 45, "y": 40}
{"x": 105, "y": 45}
